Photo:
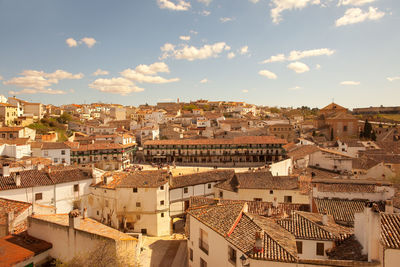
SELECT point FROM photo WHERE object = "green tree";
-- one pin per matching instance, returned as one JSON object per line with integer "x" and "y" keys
{"x": 367, "y": 129}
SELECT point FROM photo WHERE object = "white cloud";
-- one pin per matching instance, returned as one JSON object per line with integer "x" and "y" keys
{"x": 99, "y": 72}
{"x": 72, "y": 90}
{"x": 205, "y": 80}
{"x": 193, "y": 53}
{"x": 391, "y": 79}
{"x": 225, "y": 19}
{"x": 39, "y": 80}
{"x": 1, "y": 77}
{"x": 153, "y": 68}
{"x": 296, "y": 55}
{"x": 357, "y": 15}
{"x": 268, "y": 74}
{"x": 118, "y": 85}
{"x": 71, "y": 42}
{"x": 244, "y": 50}
{"x": 354, "y": 2}
{"x": 89, "y": 41}
{"x": 317, "y": 67}
{"x": 231, "y": 55}
{"x": 143, "y": 78}
{"x": 350, "y": 83}
{"x": 205, "y": 13}
{"x": 254, "y": 1}
{"x": 37, "y": 91}
{"x": 206, "y": 2}
{"x": 298, "y": 67}
{"x": 184, "y": 38}
{"x": 295, "y": 88}
{"x": 179, "y": 6}
{"x": 277, "y": 58}
{"x": 282, "y": 5}
{"x": 245, "y": 91}
{"x": 145, "y": 73}
{"x": 193, "y": 32}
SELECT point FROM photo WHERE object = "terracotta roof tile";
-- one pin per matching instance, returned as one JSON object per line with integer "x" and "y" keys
{"x": 390, "y": 226}
{"x": 200, "y": 178}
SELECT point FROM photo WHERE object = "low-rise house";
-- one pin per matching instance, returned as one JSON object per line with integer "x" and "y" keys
{"x": 61, "y": 187}
{"x": 183, "y": 187}
{"x": 58, "y": 152}
{"x": 352, "y": 189}
{"x": 17, "y": 132}
{"x": 73, "y": 235}
{"x": 13, "y": 216}
{"x": 262, "y": 186}
{"x": 8, "y": 114}
{"x": 331, "y": 160}
{"x": 135, "y": 202}
{"x": 24, "y": 250}
{"x": 301, "y": 155}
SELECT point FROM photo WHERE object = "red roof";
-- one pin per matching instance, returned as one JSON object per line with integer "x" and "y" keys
{"x": 234, "y": 141}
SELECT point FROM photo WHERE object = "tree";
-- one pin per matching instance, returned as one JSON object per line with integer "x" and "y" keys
{"x": 367, "y": 129}
{"x": 373, "y": 136}
{"x": 332, "y": 134}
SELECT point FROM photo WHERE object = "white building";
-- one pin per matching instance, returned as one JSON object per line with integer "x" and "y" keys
{"x": 331, "y": 160}
{"x": 58, "y": 152}
{"x": 135, "y": 202}
{"x": 62, "y": 188}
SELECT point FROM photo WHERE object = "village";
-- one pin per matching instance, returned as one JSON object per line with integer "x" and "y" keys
{"x": 199, "y": 183}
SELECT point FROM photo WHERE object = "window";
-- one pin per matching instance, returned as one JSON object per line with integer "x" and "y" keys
{"x": 221, "y": 194}
{"x": 271, "y": 192}
{"x": 62, "y": 160}
{"x": 287, "y": 199}
{"x": 209, "y": 186}
{"x": 232, "y": 255}
{"x": 345, "y": 128}
{"x": 162, "y": 214}
{"x": 55, "y": 160}
{"x": 45, "y": 153}
{"x": 138, "y": 217}
{"x": 185, "y": 190}
{"x": 76, "y": 187}
{"x": 162, "y": 187}
{"x": 203, "y": 241}
{"x": 138, "y": 204}
{"x": 38, "y": 196}
{"x": 320, "y": 249}
{"x": 135, "y": 190}
{"x": 191, "y": 254}
{"x": 257, "y": 199}
{"x": 62, "y": 152}
{"x": 162, "y": 202}
{"x": 144, "y": 231}
{"x": 299, "y": 245}
{"x": 98, "y": 213}
{"x": 203, "y": 263}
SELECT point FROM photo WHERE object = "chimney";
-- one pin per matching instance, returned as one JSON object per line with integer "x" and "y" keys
{"x": 17, "y": 179}
{"x": 275, "y": 203}
{"x": 74, "y": 219}
{"x": 258, "y": 246}
{"x": 84, "y": 213}
{"x": 389, "y": 206}
{"x": 217, "y": 201}
{"x": 6, "y": 170}
{"x": 325, "y": 219}
{"x": 9, "y": 222}
{"x": 269, "y": 212}
{"x": 245, "y": 207}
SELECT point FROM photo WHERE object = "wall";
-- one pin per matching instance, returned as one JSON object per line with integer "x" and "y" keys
{"x": 310, "y": 249}
{"x": 391, "y": 257}
{"x": 381, "y": 193}
{"x": 265, "y": 195}
{"x": 56, "y": 154}
{"x": 281, "y": 168}
{"x": 328, "y": 161}
{"x": 65, "y": 195}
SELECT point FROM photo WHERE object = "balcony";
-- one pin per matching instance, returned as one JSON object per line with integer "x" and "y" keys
{"x": 203, "y": 246}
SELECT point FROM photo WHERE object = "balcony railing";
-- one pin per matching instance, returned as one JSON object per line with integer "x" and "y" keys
{"x": 203, "y": 246}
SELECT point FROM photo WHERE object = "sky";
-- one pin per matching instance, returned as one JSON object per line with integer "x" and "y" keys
{"x": 265, "y": 52}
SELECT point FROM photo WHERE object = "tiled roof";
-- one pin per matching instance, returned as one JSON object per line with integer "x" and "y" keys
{"x": 262, "y": 208}
{"x": 307, "y": 225}
{"x": 302, "y": 151}
{"x": 139, "y": 179}
{"x": 390, "y": 226}
{"x": 54, "y": 145}
{"x": 236, "y": 140}
{"x": 364, "y": 163}
{"x": 15, "y": 141}
{"x": 259, "y": 180}
{"x": 239, "y": 228}
{"x": 342, "y": 210}
{"x": 87, "y": 225}
{"x": 18, "y": 248}
{"x": 349, "y": 249}
{"x": 31, "y": 178}
{"x": 346, "y": 185}
{"x": 96, "y": 146}
{"x": 11, "y": 129}
{"x": 200, "y": 178}
{"x": 8, "y": 205}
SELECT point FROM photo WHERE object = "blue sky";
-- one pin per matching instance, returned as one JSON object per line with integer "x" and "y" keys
{"x": 267, "y": 52}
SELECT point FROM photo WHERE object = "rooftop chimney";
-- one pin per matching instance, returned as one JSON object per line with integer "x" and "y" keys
{"x": 258, "y": 246}
{"x": 245, "y": 207}
{"x": 389, "y": 206}
{"x": 325, "y": 219}
{"x": 6, "y": 170}
{"x": 17, "y": 179}
{"x": 275, "y": 203}
{"x": 84, "y": 213}
{"x": 74, "y": 219}
{"x": 9, "y": 222}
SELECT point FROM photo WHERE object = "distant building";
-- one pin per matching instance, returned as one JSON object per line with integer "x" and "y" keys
{"x": 8, "y": 114}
